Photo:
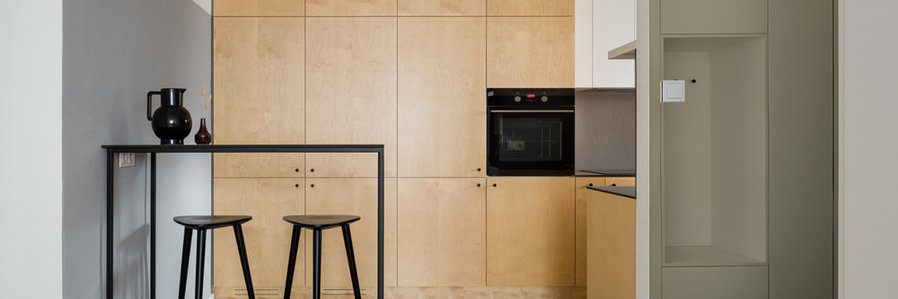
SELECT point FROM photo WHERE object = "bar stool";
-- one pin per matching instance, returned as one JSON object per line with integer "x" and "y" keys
{"x": 201, "y": 224}
{"x": 317, "y": 223}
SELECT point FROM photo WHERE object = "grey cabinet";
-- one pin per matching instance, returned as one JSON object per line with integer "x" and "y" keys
{"x": 713, "y": 16}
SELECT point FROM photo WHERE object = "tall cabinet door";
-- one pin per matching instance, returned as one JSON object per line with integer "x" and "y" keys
{"x": 442, "y": 232}
{"x": 259, "y": 80}
{"x": 530, "y": 52}
{"x": 442, "y": 101}
{"x": 351, "y": 80}
{"x": 530, "y": 231}
{"x": 352, "y": 196}
{"x": 582, "y": 194}
{"x": 267, "y": 236}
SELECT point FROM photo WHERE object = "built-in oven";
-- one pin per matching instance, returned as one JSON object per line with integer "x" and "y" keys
{"x": 530, "y": 132}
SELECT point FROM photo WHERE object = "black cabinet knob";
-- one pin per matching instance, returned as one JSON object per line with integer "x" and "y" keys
{"x": 494, "y": 185}
{"x": 296, "y": 170}
{"x": 478, "y": 185}
{"x": 613, "y": 184}
{"x": 312, "y": 170}
{"x": 590, "y": 184}
{"x": 313, "y": 186}
{"x": 297, "y": 185}
{"x": 478, "y": 169}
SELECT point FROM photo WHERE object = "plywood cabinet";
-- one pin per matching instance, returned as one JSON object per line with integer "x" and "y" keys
{"x": 442, "y": 7}
{"x": 532, "y": 52}
{"x": 266, "y": 8}
{"x": 259, "y": 80}
{"x": 351, "y": 7}
{"x": 351, "y": 79}
{"x": 580, "y": 222}
{"x": 530, "y": 7}
{"x": 442, "y": 232}
{"x": 267, "y": 236}
{"x": 343, "y": 165}
{"x": 259, "y": 165}
{"x": 611, "y": 246}
{"x": 530, "y": 231}
{"x": 442, "y": 106}
{"x": 620, "y": 181}
{"x": 356, "y": 196}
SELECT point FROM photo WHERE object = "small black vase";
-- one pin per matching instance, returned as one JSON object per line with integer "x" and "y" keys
{"x": 171, "y": 122}
{"x": 202, "y": 135}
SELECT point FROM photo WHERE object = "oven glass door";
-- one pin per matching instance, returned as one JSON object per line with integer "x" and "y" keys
{"x": 531, "y": 142}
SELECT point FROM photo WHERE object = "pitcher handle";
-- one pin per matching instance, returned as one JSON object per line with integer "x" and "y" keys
{"x": 150, "y": 103}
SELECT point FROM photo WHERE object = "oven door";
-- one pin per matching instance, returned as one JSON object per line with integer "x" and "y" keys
{"x": 530, "y": 142}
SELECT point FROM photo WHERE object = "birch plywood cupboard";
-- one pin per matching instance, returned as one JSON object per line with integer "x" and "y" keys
{"x": 409, "y": 74}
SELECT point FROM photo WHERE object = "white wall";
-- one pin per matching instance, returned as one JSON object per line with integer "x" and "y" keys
{"x": 868, "y": 148}
{"x": 31, "y": 156}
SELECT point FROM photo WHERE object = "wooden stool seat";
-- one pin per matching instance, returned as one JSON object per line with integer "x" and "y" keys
{"x": 201, "y": 224}
{"x": 314, "y": 222}
{"x": 318, "y": 223}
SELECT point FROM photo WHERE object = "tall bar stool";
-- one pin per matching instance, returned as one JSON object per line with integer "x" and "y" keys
{"x": 201, "y": 224}
{"x": 317, "y": 223}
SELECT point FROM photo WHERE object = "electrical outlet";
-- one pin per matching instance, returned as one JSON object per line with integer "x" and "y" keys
{"x": 126, "y": 160}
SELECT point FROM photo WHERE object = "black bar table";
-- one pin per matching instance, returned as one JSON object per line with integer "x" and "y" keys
{"x": 152, "y": 150}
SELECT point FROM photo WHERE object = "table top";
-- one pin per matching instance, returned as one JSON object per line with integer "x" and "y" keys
{"x": 242, "y": 148}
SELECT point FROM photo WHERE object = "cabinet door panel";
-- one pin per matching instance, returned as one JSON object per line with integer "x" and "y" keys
{"x": 611, "y": 246}
{"x": 442, "y": 8}
{"x": 267, "y": 237}
{"x": 530, "y": 52}
{"x": 267, "y": 8}
{"x": 352, "y": 197}
{"x": 713, "y": 16}
{"x": 259, "y": 80}
{"x": 351, "y": 7}
{"x": 530, "y": 7}
{"x": 620, "y": 181}
{"x": 343, "y": 165}
{"x": 530, "y": 231}
{"x": 442, "y": 232}
{"x": 259, "y": 165}
{"x": 351, "y": 95}
{"x": 442, "y": 101}
{"x": 580, "y": 222}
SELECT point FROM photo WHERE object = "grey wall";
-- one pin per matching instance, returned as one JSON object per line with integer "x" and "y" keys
{"x": 114, "y": 51}
{"x": 605, "y": 126}
{"x": 868, "y": 145}
{"x": 31, "y": 128}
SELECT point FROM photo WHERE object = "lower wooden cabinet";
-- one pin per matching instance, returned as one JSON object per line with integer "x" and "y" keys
{"x": 530, "y": 231}
{"x": 580, "y": 223}
{"x": 442, "y": 232}
{"x": 259, "y": 165}
{"x": 611, "y": 246}
{"x": 352, "y": 196}
{"x": 267, "y": 237}
{"x": 620, "y": 181}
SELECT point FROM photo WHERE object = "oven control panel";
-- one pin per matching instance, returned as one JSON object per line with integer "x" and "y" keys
{"x": 540, "y": 97}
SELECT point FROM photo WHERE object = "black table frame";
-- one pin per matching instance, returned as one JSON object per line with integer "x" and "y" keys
{"x": 152, "y": 150}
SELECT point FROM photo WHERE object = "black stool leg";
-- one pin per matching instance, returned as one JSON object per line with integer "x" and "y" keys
{"x": 350, "y": 256}
{"x": 291, "y": 265}
{"x": 200, "y": 261}
{"x": 316, "y": 264}
{"x": 185, "y": 260}
{"x": 241, "y": 248}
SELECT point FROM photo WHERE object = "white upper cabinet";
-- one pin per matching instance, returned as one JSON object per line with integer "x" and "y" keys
{"x": 601, "y": 26}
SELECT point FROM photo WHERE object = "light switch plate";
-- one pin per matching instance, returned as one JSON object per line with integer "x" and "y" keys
{"x": 673, "y": 91}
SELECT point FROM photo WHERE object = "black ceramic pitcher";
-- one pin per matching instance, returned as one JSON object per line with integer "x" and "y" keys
{"x": 171, "y": 122}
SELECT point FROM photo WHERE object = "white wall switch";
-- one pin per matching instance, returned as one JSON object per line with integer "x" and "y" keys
{"x": 673, "y": 91}
{"x": 126, "y": 160}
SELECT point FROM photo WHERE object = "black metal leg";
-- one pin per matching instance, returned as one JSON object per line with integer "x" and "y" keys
{"x": 350, "y": 256}
{"x": 110, "y": 172}
{"x": 244, "y": 262}
{"x": 316, "y": 264}
{"x": 185, "y": 261}
{"x": 152, "y": 225}
{"x": 291, "y": 265}
{"x": 200, "y": 261}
